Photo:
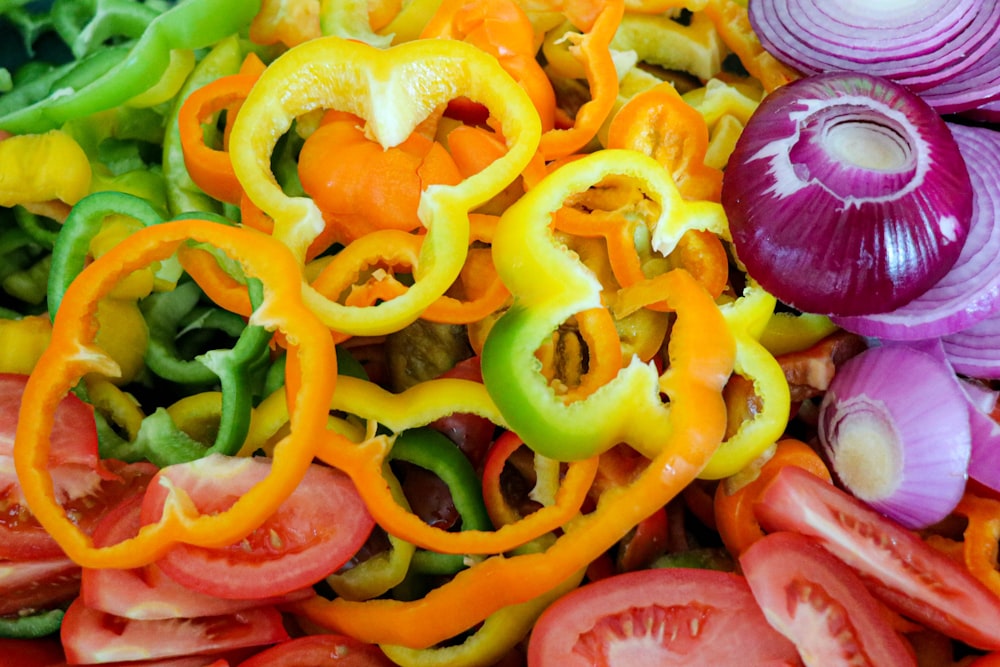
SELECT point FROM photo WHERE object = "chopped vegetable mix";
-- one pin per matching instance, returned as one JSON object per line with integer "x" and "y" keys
{"x": 496, "y": 332}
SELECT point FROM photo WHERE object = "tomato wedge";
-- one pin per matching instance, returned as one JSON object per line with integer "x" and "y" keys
{"x": 658, "y": 617}
{"x": 91, "y": 636}
{"x": 37, "y": 584}
{"x": 820, "y": 604}
{"x": 318, "y": 650}
{"x": 315, "y": 531}
{"x": 147, "y": 593}
{"x": 897, "y": 566}
{"x": 73, "y": 463}
{"x": 31, "y": 653}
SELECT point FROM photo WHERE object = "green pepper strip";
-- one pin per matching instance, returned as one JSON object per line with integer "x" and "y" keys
{"x": 69, "y": 254}
{"x": 433, "y": 451}
{"x": 183, "y": 194}
{"x": 34, "y": 626}
{"x": 418, "y": 406}
{"x": 165, "y": 444}
{"x": 164, "y": 313}
{"x": 393, "y": 90}
{"x": 187, "y": 25}
{"x": 701, "y": 353}
{"x": 73, "y": 354}
{"x": 550, "y": 285}
{"x": 85, "y": 25}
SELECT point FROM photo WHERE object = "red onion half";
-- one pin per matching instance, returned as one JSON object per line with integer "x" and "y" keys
{"x": 970, "y": 291}
{"x": 920, "y": 43}
{"x": 894, "y": 425}
{"x": 846, "y": 195}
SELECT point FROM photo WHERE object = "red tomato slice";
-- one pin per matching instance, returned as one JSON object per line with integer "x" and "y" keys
{"x": 38, "y": 584}
{"x": 820, "y": 604}
{"x": 91, "y": 636}
{"x": 658, "y": 617}
{"x": 320, "y": 650}
{"x": 73, "y": 463}
{"x": 147, "y": 593}
{"x": 897, "y": 566}
{"x": 31, "y": 653}
{"x": 315, "y": 531}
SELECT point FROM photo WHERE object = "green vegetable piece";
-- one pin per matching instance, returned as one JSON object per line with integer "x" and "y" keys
{"x": 34, "y": 626}
{"x": 187, "y": 25}
{"x": 433, "y": 451}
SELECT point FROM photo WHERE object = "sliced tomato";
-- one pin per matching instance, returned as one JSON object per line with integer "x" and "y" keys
{"x": 91, "y": 636}
{"x": 37, "y": 584}
{"x": 316, "y": 530}
{"x": 820, "y": 604}
{"x": 317, "y": 650}
{"x": 147, "y": 593}
{"x": 899, "y": 568}
{"x": 658, "y": 617}
{"x": 73, "y": 463}
{"x": 87, "y": 486}
{"x": 31, "y": 653}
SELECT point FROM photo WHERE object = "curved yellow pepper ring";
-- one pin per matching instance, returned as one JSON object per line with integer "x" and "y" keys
{"x": 73, "y": 354}
{"x": 393, "y": 90}
{"x": 746, "y": 318}
{"x": 701, "y": 358}
{"x": 418, "y": 406}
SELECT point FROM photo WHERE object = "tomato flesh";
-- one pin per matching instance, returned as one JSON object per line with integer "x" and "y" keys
{"x": 316, "y": 530}
{"x": 658, "y": 617}
{"x": 91, "y": 636}
{"x": 820, "y": 604}
{"x": 318, "y": 650}
{"x": 898, "y": 567}
{"x": 147, "y": 593}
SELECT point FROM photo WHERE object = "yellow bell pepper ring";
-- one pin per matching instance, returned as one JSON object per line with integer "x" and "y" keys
{"x": 393, "y": 90}
{"x": 74, "y": 354}
{"x": 550, "y": 285}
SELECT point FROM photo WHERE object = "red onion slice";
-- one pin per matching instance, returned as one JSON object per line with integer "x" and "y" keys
{"x": 984, "y": 464}
{"x": 846, "y": 195}
{"x": 894, "y": 425}
{"x": 975, "y": 350}
{"x": 970, "y": 291}
{"x": 921, "y": 43}
{"x": 975, "y": 86}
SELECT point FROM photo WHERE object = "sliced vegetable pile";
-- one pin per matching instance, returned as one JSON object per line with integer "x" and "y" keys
{"x": 485, "y": 332}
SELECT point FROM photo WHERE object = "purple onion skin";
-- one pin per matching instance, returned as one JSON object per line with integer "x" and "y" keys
{"x": 846, "y": 195}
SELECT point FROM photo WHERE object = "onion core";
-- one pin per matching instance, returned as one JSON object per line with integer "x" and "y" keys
{"x": 894, "y": 425}
{"x": 847, "y": 195}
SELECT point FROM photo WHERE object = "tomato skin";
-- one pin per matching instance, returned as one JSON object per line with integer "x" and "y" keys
{"x": 899, "y": 569}
{"x": 820, "y": 604}
{"x": 91, "y": 636}
{"x": 37, "y": 584}
{"x": 316, "y": 530}
{"x": 318, "y": 651}
{"x": 147, "y": 593}
{"x": 593, "y": 624}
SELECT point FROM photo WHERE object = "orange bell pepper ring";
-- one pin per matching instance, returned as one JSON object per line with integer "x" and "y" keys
{"x": 734, "y": 517}
{"x": 701, "y": 357}
{"x": 73, "y": 353}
